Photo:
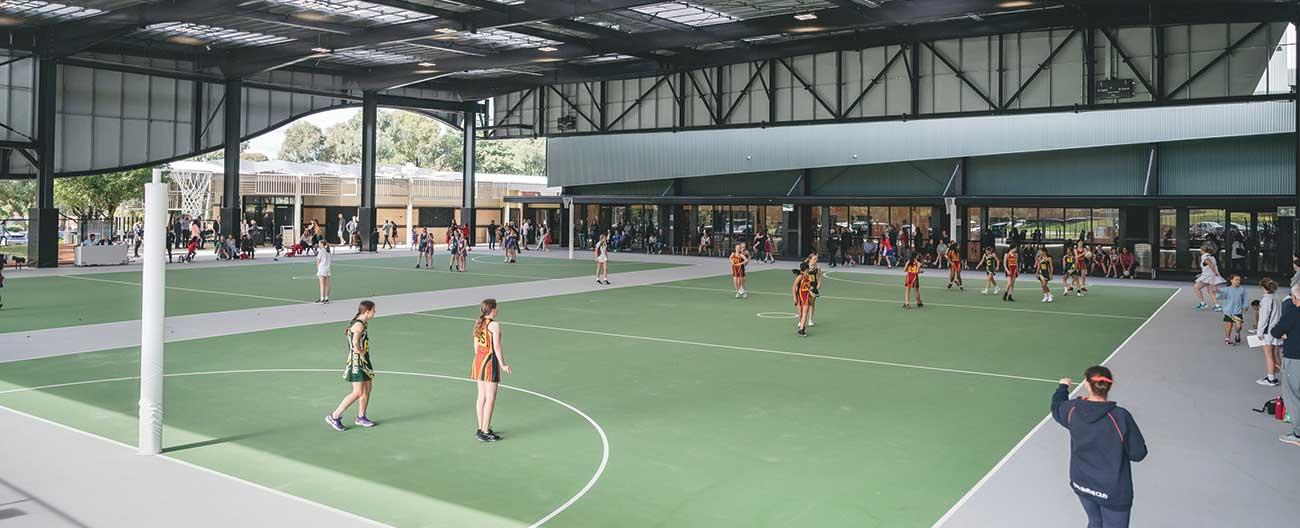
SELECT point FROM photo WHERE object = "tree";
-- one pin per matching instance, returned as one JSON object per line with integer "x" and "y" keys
{"x": 303, "y": 142}
{"x": 219, "y": 153}
{"x": 253, "y": 156}
{"x": 16, "y": 196}
{"x": 98, "y": 197}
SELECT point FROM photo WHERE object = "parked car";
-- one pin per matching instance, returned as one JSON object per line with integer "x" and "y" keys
{"x": 14, "y": 236}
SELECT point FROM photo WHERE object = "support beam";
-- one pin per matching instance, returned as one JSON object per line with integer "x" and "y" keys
{"x": 467, "y": 176}
{"x": 1128, "y": 60}
{"x": 1216, "y": 60}
{"x": 43, "y": 228}
{"x": 810, "y": 88}
{"x": 961, "y": 76}
{"x": 913, "y": 64}
{"x": 874, "y": 81}
{"x": 366, "y": 212}
{"x": 1041, "y": 66}
{"x": 1089, "y": 67}
{"x": 232, "y": 125}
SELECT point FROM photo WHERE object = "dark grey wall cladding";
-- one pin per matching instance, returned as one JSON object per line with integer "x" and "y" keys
{"x": 1255, "y": 165}
{"x": 774, "y": 183}
{"x": 1111, "y": 171}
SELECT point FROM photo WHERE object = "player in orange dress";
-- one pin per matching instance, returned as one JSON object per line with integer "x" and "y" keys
{"x": 803, "y": 296}
{"x": 489, "y": 362}
{"x": 1011, "y": 265}
{"x": 954, "y": 266}
{"x": 738, "y": 261}
{"x": 912, "y": 282}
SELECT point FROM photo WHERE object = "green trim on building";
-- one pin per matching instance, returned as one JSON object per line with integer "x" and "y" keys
{"x": 1111, "y": 171}
{"x": 912, "y": 178}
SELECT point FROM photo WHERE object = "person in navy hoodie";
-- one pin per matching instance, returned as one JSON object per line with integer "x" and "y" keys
{"x": 1104, "y": 440}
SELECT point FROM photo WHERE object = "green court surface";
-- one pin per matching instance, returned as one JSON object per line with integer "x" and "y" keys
{"x": 50, "y": 302}
{"x": 714, "y": 415}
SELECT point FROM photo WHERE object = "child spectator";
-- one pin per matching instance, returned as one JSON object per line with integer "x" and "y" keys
{"x": 1234, "y": 305}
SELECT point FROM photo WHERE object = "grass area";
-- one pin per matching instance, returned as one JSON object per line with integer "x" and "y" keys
{"x": 715, "y": 416}
{"x": 17, "y": 251}
{"x": 35, "y": 303}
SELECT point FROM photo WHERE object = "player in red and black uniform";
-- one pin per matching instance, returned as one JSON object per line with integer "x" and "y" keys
{"x": 912, "y": 282}
{"x": 738, "y": 261}
{"x": 489, "y": 362}
{"x": 954, "y": 266}
{"x": 1011, "y": 265}
{"x": 803, "y": 296}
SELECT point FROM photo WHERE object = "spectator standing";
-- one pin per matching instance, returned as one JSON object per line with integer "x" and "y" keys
{"x": 342, "y": 227}
{"x": 1104, "y": 441}
{"x": 492, "y": 235}
{"x": 1288, "y": 327}
{"x": 1270, "y": 313}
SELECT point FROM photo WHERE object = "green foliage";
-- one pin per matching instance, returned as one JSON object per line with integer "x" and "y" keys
{"x": 253, "y": 156}
{"x": 88, "y": 197}
{"x": 303, "y": 142}
{"x": 16, "y": 196}
{"x": 408, "y": 138}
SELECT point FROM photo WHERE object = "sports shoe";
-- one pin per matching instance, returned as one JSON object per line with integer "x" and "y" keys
{"x": 1200, "y": 306}
{"x": 801, "y": 333}
{"x": 364, "y": 422}
{"x": 1290, "y": 438}
{"x": 1050, "y": 298}
{"x": 810, "y": 323}
{"x": 492, "y": 435}
{"x": 961, "y": 288}
{"x": 1010, "y": 298}
{"x": 949, "y": 285}
{"x": 1267, "y": 381}
{"x": 1078, "y": 293}
{"x": 984, "y": 291}
{"x": 1218, "y": 308}
{"x": 920, "y": 304}
{"x": 336, "y": 423}
{"x": 737, "y": 295}
{"x": 907, "y": 306}
{"x": 744, "y": 295}
{"x": 481, "y": 436}
{"x": 1227, "y": 342}
{"x": 1237, "y": 338}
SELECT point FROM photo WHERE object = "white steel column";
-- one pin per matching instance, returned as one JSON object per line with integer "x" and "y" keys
{"x": 568, "y": 202}
{"x": 151, "y": 316}
{"x": 297, "y": 212}
{"x": 410, "y": 226}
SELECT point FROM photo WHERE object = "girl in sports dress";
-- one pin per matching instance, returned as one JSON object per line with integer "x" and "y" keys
{"x": 602, "y": 260}
{"x": 1082, "y": 260}
{"x": 359, "y": 371}
{"x": 323, "y": 261}
{"x": 489, "y": 362}
{"x": 954, "y": 266}
{"x": 990, "y": 264}
{"x": 1045, "y": 271}
{"x": 738, "y": 261}
{"x": 1070, "y": 275}
{"x": 912, "y": 282}
{"x": 803, "y": 297}
{"x": 1011, "y": 265}
{"x": 1209, "y": 279}
{"x": 815, "y": 282}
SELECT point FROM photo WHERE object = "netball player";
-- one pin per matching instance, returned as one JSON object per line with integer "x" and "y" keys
{"x": 489, "y": 362}
{"x": 426, "y": 250}
{"x": 990, "y": 264}
{"x": 1082, "y": 259}
{"x": 803, "y": 296}
{"x": 738, "y": 261}
{"x": 1011, "y": 265}
{"x": 323, "y": 260}
{"x": 359, "y": 371}
{"x": 602, "y": 260}
{"x": 815, "y": 285}
{"x": 912, "y": 282}
{"x": 1045, "y": 270}
{"x": 954, "y": 267}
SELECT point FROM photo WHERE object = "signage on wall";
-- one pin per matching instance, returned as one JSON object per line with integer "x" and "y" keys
{"x": 1114, "y": 88}
{"x": 1286, "y": 211}
{"x": 787, "y": 208}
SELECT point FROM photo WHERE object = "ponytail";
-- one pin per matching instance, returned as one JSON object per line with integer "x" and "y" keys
{"x": 486, "y": 307}
{"x": 362, "y": 307}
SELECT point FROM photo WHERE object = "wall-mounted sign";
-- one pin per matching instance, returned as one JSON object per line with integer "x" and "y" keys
{"x": 1114, "y": 88}
{"x": 1286, "y": 211}
{"x": 789, "y": 208}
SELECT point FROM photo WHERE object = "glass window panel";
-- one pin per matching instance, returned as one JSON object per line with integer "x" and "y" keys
{"x": 974, "y": 220}
{"x": 1265, "y": 242}
{"x": 1168, "y": 239}
{"x": 1078, "y": 224}
{"x": 1204, "y": 225}
{"x": 1052, "y": 220}
{"x": 999, "y": 222}
{"x": 773, "y": 221}
{"x": 921, "y": 219}
{"x": 879, "y": 221}
{"x": 1105, "y": 225}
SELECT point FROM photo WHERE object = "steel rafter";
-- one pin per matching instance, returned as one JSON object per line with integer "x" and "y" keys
{"x": 1128, "y": 60}
{"x": 575, "y": 107}
{"x": 810, "y": 88}
{"x": 960, "y": 75}
{"x": 740, "y": 96}
{"x": 638, "y": 101}
{"x": 704, "y": 97}
{"x": 874, "y": 81}
{"x": 1215, "y": 61}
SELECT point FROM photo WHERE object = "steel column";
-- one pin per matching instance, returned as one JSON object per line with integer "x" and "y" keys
{"x": 232, "y": 126}
{"x": 366, "y": 212}
{"x": 913, "y": 63}
{"x": 467, "y": 176}
{"x": 1089, "y": 66}
{"x": 43, "y": 231}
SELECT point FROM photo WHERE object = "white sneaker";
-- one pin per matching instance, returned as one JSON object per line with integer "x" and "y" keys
{"x": 810, "y": 323}
{"x": 737, "y": 295}
{"x": 984, "y": 291}
{"x": 1050, "y": 298}
{"x": 1044, "y": 299}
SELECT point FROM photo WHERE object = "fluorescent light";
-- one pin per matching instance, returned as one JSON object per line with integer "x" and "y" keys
{"x": 806, "y": 16}
{"x": 446, "y": 31}
{"x": 426, "y": 64}
{"x": 867, "y": 3}
{"x": 548, "y": 48}
{"x": 1015, "y": 3}
{"x": 426, "y": 71}
{"x": 321, "y": 50}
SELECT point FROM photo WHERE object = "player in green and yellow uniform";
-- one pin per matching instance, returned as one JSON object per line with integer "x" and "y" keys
{"x": 990, "y": 265}
{"x": 1045, "y": 273}
{"x": 1070, "y": 275}
{"x": 359, "y": 371}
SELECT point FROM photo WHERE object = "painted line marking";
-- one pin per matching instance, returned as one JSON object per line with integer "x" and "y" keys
{"x": 984, "y": 480}
{"x": 896, "y": 301}
{"x": 426, "y": 270}
{"x": 777, "y": 315}
{"x": 211, "y": 292}
{"x": 535, "y": 261}
{"x": 750, "y": 349}
{"x": 600, "y": 469}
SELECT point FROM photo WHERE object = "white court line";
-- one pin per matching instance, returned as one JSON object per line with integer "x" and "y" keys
{"x": 295, "y": 301}
{"x": 600, "y": 469}
{"x": 419, "y": 270}
{"x": 971, "y": 492}
{"x": 895, "y": 301}
{"x": 537, "y": 261}
{"x": 749, "y": 349}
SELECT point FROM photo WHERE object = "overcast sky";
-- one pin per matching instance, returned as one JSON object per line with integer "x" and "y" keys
{"x": 269, "y": 143}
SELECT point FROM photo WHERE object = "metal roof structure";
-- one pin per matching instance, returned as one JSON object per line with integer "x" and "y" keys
{"x": 482, "y": 48}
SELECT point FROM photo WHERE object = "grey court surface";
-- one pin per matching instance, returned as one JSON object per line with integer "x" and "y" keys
{"x": 1211, "y": 457}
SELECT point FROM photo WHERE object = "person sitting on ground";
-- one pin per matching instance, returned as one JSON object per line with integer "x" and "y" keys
{"x": 1126, "y": 263}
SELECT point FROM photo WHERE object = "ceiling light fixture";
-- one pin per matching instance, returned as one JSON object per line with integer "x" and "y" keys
{"x": 446, "y": 31}
{"x": 868, "y": 3}
{"x": 322, "y": 50}
{"x": 806, "y": 16}
{"x": 548, "y": 48}
{"x": 1015, "y": 3}
{"x": 426, "y": 64}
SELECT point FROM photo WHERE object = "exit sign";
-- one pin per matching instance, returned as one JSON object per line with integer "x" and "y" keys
{"x": 1286, "y": 211}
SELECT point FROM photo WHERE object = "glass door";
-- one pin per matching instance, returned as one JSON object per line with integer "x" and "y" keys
{"x": 1168, "y": 239}
{"x": 1264, "y": 252}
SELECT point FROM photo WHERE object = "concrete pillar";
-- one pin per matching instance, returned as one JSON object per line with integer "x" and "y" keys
{"x": 467, "y": 175}
{"x": 366, "y": 217}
